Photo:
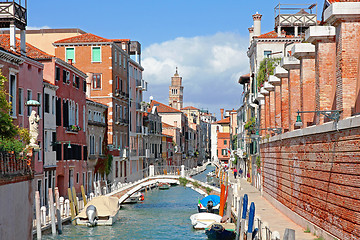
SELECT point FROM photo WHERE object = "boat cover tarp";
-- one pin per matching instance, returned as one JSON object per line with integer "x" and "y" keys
{"x": 214, "y": 198}
{"x": 105, "y": 206}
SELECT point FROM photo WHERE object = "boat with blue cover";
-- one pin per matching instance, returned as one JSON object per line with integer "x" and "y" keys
{"x": 210, "y": 203}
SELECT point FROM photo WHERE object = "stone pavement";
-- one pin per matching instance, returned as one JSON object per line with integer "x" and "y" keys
{"x": 268, "y": 213}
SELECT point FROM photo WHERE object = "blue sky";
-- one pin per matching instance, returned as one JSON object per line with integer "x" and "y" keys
{"x": 207, "y": 40}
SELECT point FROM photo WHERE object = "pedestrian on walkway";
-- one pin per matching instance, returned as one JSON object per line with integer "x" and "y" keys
{"x": 240, "y": 172}
{"x": 235, "y": 173}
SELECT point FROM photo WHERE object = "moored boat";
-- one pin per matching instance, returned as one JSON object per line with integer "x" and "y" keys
{"x": 204, "y": 220}
{"x": 135, "y": 198}
{"x": 102, "y": 210}
{"x": 164, "y": 186}
{"x": 210, "y": 204}
{"x": 221, "y": 231}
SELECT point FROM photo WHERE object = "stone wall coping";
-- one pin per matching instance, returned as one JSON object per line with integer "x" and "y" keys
{"x": 274, "y": 80}
{"x": 263, "y": 91}
{"x": 348, "y": 123}
{"x": 341, "y": 10}
{"x": 269, "y": 87}
{"x": 290, "y": 63}
{"x": 280, "y": 72}
{"x": 301, "y": 50}
{"x": 317, "y": 33}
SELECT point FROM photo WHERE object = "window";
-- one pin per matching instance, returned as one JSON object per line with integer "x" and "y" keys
{"x": 225, "y": 142}
{"x": 92, "y": 145}
{"x": 115, "y": 56}
{"x": 39, "y": 107}
{"x": 84, "y": 85}
{"x": 267, "y": 54}
{"x": 100, "y": 146}
{"x": 12, "y": 93}
{"x": 64, "y": 76}
{"x": 53, "y": 105}
{"x": 20, "y": 101}
{"x": 224, "y": 152}
{"x": 70, "y": 54}
{"x": 46, "y": 141}
{"x": 29, "y": 97}
{"x": 47, "y": 103}
{"x": 57, "y": 73}
{"x": 77, "y": 177}
{"x": 96, "y": 81}
{"x": 96, "y": 54}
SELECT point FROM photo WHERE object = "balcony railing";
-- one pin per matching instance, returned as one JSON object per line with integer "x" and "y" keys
{"x": 11, "y": 166}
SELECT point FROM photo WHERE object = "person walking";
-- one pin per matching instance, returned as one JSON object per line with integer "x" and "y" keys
{"x": 235, "y": 173}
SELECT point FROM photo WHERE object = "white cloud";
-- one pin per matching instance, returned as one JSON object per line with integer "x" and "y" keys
{"x": 209, "y": 65}
{"x": 37, "y": 28}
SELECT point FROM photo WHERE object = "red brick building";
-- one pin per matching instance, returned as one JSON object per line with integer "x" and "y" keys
{"x": 106, "y": 63}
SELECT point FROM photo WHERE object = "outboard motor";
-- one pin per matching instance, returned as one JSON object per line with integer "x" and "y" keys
{"x": 210, "y": 206}
{"x": 92, "y": 215}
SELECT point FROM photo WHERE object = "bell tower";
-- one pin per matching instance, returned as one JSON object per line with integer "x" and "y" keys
{"x": 176, "y": 91}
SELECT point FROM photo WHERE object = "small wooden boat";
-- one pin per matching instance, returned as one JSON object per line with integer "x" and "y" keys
{"x": 135, "y": 198}
{"x": 221, "y": 231}
{"x": 164, "y": 186}
{"x": 102, "y": 210}
{"x": 204, "y": 220}
{"x": 210, "y": 203}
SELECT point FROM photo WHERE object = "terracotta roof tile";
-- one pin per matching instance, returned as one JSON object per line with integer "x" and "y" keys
{"x": 225, "y": 120}
{"x": 165, "y": 125}
{"x": 31, "y": 51}
{"x": 223, "y": 135}
{"x": 84, "y": 38}
{"x": 190, "y": 108}
{"x": 162, "y": 108}
{"x": 272, "y": 34}
{"x": 332, "y": 1}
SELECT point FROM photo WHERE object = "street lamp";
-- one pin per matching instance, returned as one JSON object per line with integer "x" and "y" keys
{"x": 331, "y": 114}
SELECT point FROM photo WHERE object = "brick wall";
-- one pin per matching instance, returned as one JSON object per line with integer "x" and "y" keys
{"x": 285, "y": 104}
{"x": 294, "y": 96}
{"x": 318, "y": 177}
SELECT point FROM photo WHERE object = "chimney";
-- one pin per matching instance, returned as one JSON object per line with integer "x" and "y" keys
{"x": 251, "y": 33}
{"x": 222, "y": 113}
{"x": 257, "y": 24}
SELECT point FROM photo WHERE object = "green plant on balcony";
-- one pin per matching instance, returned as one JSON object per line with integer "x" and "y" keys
{"x": 250, "y": 126}
{"x": 74, "y": 128}
{"x": 266, "y": 68}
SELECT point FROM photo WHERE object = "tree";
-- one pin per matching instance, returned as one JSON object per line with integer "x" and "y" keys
{"x": 12, "y": 137}
{"x": 266, "y": 68}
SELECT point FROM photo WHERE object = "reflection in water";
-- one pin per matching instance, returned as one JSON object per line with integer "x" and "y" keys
{"x": 164, "y": 214}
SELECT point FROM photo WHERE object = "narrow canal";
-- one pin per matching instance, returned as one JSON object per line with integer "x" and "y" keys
{"x": 164, "y": 214}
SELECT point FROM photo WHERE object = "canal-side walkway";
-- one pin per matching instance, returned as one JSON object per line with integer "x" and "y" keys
{"x": 276, "y": 220}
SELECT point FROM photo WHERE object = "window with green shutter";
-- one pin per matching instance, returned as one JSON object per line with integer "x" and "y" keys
{"x": 70, "y": 54}
{"x": 96, "y": 54}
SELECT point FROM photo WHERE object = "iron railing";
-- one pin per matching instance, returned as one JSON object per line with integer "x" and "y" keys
{"x": 11, "y": 166}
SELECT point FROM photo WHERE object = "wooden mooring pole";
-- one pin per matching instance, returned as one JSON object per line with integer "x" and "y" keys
{"x": 71, "y": 207}
{"x": 52, "y": 212}
{"x": 58, "y": 214}
{"x": 38, "y": 221}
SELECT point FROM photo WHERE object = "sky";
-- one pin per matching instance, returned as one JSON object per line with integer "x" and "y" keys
{"x": 206, "y": 40}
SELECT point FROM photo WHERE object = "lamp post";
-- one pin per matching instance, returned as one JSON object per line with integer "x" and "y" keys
{"x": 331, "y": 114}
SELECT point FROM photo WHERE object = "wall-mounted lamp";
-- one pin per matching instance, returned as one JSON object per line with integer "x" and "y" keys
{"x": 331, "y": 114}
{"x": 275, "y": 130}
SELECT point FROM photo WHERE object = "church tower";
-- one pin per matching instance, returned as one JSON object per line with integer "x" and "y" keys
{"x": 176, "y": 91}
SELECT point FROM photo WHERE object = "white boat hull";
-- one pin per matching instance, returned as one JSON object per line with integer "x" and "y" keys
{"x": 204, "y": 220}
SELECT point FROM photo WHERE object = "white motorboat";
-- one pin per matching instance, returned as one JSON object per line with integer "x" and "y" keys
{"x": 102, "y": 211}
{"x": 204, "y": 220}
{"x": 134, "y": 198}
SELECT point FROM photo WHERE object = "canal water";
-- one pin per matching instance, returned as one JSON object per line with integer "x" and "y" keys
{"x": 164, "y": 214}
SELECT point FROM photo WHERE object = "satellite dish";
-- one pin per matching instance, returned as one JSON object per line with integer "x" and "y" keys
{"x": 151, "y": 98}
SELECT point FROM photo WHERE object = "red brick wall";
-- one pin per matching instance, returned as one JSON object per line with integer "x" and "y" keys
{"x": 267, "y": 111}
{"x": 272, "y": 109}
{"x": 347, "y": 61}
{"x": 317, "y": 177}
{"x": 307, "y": 76}
{"x": 285, "y": 104}
{"x": 294, "y": 96}
{"x": 277, "y": 106}
{"x": 325, "y": 76}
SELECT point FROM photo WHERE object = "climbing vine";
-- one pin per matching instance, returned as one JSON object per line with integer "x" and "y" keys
{"x": 266, "y": 68}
